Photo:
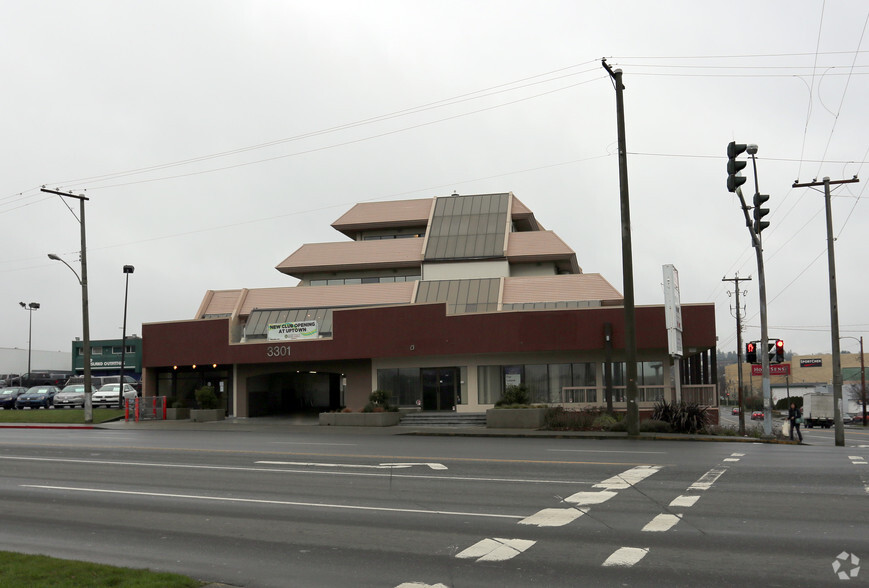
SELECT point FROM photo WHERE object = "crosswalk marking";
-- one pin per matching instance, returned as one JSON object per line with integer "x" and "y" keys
{"x": 628, "y": 478}
{"x": 553, "y": 517}
{"x": 589, "y": 498}
{"x": 662, "y": 522}
{"x": 626, "y": 556}
{"x": 685, "y": 501}
{"x": 495, "y": 549}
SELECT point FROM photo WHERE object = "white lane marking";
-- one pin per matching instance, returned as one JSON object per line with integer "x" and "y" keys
{"x": 626, "y": 556}
{"x": 737, "y": 454}
{"x": 421, "y": 585}
{"x": 588, "y": 498}
{"x": 553, "y": 517}
{"x": 685, "y": 501}
{"x": 495, "y": 549}
{"x": 382, "y": 466}
{"x": 291, "y": 471}
{"x": 662, "y": 522}
{"x": 628, "y": 478}
{"x": 303, "y": 443}
{"x": 731, "y": 459}
{"x": 706, "y": 480}
{"x": 855, "y": 457}
{"x": 278, "y": 502}
{"x": 604, "y": 451}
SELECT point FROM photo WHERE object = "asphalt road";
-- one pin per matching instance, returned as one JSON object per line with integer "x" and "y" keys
{"x": 321, "y": 508}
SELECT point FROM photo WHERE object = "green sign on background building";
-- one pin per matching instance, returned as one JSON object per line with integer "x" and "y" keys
{"x": 106, "y": 357}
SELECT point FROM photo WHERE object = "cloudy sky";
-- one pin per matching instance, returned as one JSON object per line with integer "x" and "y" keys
{"x": 213, "y": 138}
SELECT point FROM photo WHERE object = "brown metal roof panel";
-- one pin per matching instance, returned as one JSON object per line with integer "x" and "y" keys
{"x": 328, "y": 296}
{"x": 371, "y": 215}
{"x": 347, "y": 255}
{"x": 592, "y": 287}
{"x": 222, "y": 302}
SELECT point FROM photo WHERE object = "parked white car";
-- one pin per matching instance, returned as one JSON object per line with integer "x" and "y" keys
{"x": 108, "y": 395}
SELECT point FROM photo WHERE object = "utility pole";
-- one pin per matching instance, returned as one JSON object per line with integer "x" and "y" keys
{"x": 83, "y": 281}
{"x": 834, "y": 304}
{"x": 736, "y": 279}
{"x": 632, "y": 417}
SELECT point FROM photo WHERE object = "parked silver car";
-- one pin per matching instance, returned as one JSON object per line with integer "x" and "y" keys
{"x": 71, "y": 396}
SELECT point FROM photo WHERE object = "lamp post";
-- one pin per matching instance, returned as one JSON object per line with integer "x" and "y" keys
{"x": 128, "y": 269}
{"x": 862, "y": 376}
{"x": 29, "y": 307}
{"x": 86, "y": 335}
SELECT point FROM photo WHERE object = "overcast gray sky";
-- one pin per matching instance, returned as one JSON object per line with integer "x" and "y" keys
{"x": 214, "y": 138}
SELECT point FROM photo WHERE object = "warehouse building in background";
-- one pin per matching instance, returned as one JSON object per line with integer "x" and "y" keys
{"x": 442, "y": 303}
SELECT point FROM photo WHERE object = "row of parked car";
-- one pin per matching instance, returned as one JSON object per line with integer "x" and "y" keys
{"x": 71, "y": 396}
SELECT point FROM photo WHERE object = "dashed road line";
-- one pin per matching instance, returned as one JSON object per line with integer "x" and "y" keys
{"x": 684, "y": 501}
{"x": 857, "y": 459}
{"x": 589, "y": 498}
{"x": 708, "y": 479}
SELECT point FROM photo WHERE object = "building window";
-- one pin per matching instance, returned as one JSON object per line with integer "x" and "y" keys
{"x": 96, "y": 350}
{"x": 403, "y": 385}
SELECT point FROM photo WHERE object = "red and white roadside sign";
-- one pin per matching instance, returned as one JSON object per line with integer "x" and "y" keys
{"x": 775, "y": 369}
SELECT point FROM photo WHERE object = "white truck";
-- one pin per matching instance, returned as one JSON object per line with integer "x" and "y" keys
{"x": 818, "y": 410}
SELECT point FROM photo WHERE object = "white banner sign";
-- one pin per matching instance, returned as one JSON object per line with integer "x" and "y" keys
{"x": 673, "y": 310}
{"x": 287, "y": 331}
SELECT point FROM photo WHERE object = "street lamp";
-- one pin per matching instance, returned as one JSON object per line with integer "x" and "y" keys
{"x": 128, "y": 269}
{"x": 29, "y": 307}
{"x": 862, "y": 376}
{"x": 86, "y": 336}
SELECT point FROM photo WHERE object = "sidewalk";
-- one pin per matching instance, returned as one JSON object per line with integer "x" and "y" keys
{"x": 309, "y": 424}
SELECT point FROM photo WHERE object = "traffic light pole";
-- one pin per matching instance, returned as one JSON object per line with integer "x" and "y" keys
{"x": 834, "y": 306}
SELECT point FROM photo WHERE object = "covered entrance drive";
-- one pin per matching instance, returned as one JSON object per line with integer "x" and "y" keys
{"x": 440, "y": 388}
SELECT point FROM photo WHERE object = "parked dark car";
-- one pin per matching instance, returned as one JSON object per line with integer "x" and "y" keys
{"x": 11, "y": 379}
{"x": 8, "y": 396}
{"x": 37, "y": 397}
{"x": 56, "y": 379}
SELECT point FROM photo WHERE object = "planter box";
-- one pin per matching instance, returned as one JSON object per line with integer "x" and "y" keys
{"x": 515, "y": 418}
{"x": 360, "y": 419}
{"x": 177, "y": 414}
{"x": 201, "y": 415}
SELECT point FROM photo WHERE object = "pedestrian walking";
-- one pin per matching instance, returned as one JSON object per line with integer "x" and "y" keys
{"x": 795, "y": 418}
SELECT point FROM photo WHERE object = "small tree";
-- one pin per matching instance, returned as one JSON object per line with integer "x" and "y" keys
{"x": 206, "y": 397}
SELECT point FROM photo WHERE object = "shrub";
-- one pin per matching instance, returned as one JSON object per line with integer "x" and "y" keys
{"x": 604, "y": 422}
{"x": 558, "y": 419}
{"x": 655, "y": 426}
{"x": 206, "y": 398}
{"x": 514, "y": 395}
{"x": 683, "y": 417}
{"x": 380, "y": 397}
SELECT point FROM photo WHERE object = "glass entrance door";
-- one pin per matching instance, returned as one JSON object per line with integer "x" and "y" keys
{"x": 439, "y": 388}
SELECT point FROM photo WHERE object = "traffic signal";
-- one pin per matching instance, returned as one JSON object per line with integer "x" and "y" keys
{"x": 751, "y": 352}
{"x": 779, "y": 352}
{"x": 759, "y": 213}
{"x": 734, "y": 180}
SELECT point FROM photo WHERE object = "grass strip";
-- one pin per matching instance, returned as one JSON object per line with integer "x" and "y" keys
{"x": 18, "y": 570}
{"x": 72, "y": 416}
